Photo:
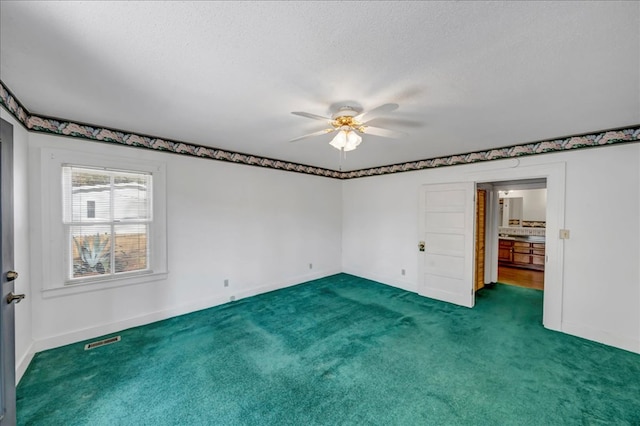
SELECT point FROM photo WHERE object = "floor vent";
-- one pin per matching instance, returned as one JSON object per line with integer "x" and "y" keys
{"x": 101, "y": 343}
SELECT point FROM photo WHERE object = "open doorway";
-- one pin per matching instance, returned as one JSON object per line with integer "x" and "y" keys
{"x": 522, "y": 208}
{"x": 510, "y": 218}
{"x": 554, "y": 176}
{"x": 521, "y": 231}
{"x": 511, "y": 233}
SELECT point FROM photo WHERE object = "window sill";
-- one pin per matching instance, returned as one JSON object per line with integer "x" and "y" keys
{"x": 103, "y": 285}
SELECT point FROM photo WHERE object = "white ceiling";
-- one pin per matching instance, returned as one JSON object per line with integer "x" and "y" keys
{"x": 468, "y": 76}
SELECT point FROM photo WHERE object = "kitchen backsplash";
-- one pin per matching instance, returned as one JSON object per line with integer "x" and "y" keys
{"x": 521, "y": 231}
{"x": 534, "y": 223}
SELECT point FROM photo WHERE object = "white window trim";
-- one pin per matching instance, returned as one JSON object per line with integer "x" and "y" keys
{"x": 54, "y": 281}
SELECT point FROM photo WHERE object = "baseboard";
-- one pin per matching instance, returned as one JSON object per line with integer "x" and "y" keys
{"x": 148, "y": 318}
{"x": 23, "y": 363}
{"x": 265, "y": 288}
{"x": 601, "y": 336}
{"x": 393, "y": 282}
{"x": 104, "y": 329}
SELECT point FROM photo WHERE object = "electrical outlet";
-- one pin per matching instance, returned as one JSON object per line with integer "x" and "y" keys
{"x": 564, "y": 234}
{"x": 311, "y": 266}
{"x": 226, "y": 283}
{"x": 402, "y": 271}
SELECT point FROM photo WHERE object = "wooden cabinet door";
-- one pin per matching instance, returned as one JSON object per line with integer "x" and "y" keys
{"x": 521, "y": 253}
{"x": 505, "y": 251}
{"x": 537, "y": 260}
{"x": 537, "y": 254}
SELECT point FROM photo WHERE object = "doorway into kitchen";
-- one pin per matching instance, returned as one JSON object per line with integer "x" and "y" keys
{"x": 546, "y": 175}
{"x": 521, "y": 217}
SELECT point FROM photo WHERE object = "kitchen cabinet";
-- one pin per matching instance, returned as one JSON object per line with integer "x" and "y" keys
{"x": 521, "y": 254}
{"x": 505, "y": 251}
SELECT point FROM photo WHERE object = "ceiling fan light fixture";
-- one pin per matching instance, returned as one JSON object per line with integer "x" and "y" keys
{"x": 346, "y": 140}
{"x": 348, "y": 124}
{"x": 353, "y": 140}
{"x": 340, "y": 140}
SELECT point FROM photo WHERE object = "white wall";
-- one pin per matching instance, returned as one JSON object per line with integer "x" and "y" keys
{"x": 256, "y": 227}
{"x": 602, "y": 256}
{"x": 534, "y": 203}
{"x": 23, "y": 329}
{"x": 601, "y": 286}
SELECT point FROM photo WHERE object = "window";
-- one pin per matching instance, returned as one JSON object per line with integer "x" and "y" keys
{"x": 91, "y": 209}
{"x": 111, "y": 236}
{"x": 103, "y": 221}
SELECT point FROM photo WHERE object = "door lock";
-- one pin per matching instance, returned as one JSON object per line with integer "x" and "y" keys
{"x": 421, "y": 246}
{"x": 14, "y": 298}
{"x": 12, "y": 275}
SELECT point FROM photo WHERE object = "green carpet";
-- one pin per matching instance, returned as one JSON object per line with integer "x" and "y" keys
{"x": 337, "y": 351}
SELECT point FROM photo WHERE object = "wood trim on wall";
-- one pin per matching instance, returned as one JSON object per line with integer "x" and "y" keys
{"x": 481, "y": 212}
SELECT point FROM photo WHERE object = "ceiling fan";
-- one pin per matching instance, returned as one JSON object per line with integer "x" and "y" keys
{"x": 350, "y": 124}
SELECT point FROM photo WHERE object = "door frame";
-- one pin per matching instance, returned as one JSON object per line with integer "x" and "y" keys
{"x": 555, "y": 174}
{"x": 7, "y": 311}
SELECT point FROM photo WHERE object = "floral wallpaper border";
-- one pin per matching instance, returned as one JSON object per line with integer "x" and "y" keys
{"x": 101, "y": 134}
{"x": 609, "y": 137}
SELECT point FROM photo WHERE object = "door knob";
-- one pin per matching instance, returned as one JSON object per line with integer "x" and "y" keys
{"x": 12, "y": 275}
{"x": 14, "y": 298}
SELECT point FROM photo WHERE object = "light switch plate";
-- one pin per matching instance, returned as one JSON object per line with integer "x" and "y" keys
{"x": 564, "y": 234}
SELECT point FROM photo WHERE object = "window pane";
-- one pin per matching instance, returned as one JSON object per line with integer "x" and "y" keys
{"x": 91, "y": 209}
{"x": 91, "y": 250}
{"x": 87, "y": 195}
{"x": 131, "y": 196}
{"x": 131, "y": 248}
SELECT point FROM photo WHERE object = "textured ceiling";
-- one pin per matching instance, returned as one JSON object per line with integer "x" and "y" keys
{"x": 468, "y": 76}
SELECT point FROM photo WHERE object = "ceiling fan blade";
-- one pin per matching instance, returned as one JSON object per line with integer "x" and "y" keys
{"x": 309, "y": 115}
{"x": 371, "y": 114}
{"x": 386, "y": 133}
{"x": 318, "y": 133}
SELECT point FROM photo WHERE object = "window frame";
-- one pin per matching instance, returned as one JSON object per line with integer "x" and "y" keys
{"x": 112, "y": 223}
{"x": 55, "y": 262}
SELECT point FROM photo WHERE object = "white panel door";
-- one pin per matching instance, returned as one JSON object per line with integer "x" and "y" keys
{"x": 447, "y": 229}
{"x": 7, "y": 310}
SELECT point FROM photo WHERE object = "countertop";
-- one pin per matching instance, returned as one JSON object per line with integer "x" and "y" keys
{"x": 526, "y": 238}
